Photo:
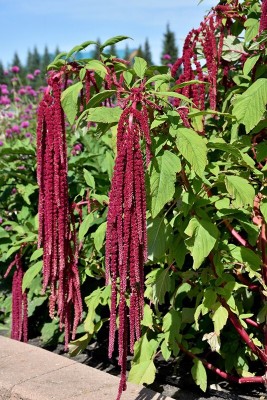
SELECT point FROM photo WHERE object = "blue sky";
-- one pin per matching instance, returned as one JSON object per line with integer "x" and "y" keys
{"x": 66, "y": 23}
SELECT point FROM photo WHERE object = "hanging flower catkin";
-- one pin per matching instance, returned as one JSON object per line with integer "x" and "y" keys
{"x": 263, "y": 18}
{"x": 126, "y": 239}
{"x": 60, "y": 271}
{"x": 19, "y": 325}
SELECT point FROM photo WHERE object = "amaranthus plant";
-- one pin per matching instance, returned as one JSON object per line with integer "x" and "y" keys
{"x": 184, "y": 222}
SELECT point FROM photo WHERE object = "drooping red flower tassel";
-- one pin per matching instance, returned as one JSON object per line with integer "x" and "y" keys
{"x": 19, "y": 327}
{"x": 263, "y": 19}
{"x": 126, "y": 239}
{"x": 60, "y": 271}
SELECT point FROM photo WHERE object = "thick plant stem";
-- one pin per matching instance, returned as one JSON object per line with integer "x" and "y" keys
{"x": 223, "y": 374}
{"x": 243, "y": 334}
{"x": 236, "y": 235}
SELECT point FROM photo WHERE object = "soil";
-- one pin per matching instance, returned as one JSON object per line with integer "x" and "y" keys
{"x": 171, "y": 380}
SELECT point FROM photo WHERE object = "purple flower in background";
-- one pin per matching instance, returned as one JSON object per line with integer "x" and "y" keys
{"x": 28, "y": 135}
{"x": 21, "y": 167}
{"x": 17, "y": 99}
{"x": 25, "y": 124}
{"x": 22, "y": 91}
{"x": 15, "y": 79}
{"x": 6, "y": 72}
{"x": 166, "y": 57}
{"x": 1, "y": 143}
{"x": 1, "y": 220}
{"x": 78, "y": 147}
{"x": 30, "y": 77}
{"x": 36, "y": 72}
{"x": 4, "y": 100}
{"x": 10, "y": 114}
{"x": 4, "y": 89}
{"x": 32, "y": 92}
{"x": 169, "y": 65}
{"x": 8, "y": 228}
{"x": 15, "y": 129}
{"x": 14, "y": 191}
{"x": 15, "y": 69}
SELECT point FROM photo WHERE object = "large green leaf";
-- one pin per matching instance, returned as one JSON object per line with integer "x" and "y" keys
{"x": 143, "y": 372}
{"x": 162, "y": 285}
{"x": 263, "y": 208}
{"x": 113, "y": 40}
{"x": 240, "y": 190}
{"x": 202, "y": 238}
{"x": 105, "y": 115}
{"x": 85, "y": 225}
{"x": 162, "y": 180}
{"x": 99, "y": 236}
{"x": 193, "y": 148}
{"x": 69, "y": 101}
{"x": 250, "y": 107}
{"x": 219, "y": 318}
{"x": 30, "y": 274}
{"x": 99, "y": 97}
{"x": 140, "y": 66}
{"x": 171, "y": 326}
{"x": 156, "y": 232}
{"x": 199, "y": 374}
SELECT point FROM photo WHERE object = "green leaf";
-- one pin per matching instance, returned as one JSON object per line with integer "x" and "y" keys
{"x": 36, "y": 254}
{"x": 85, "y": 225}
{"x": 250, "y": 107}
{"x": 147, "y": 317}
{"x": 99, "y": 236}
{"x": 79, "y": 47}
{"x": 79, "y": 345}
{"x": 202, "y": 238}
{"x": 171, "y": 326}
{"x": 140, "y": 66}
{"x": 232, "y": 48}
{"x": 143, "y": 372}
{"x": 69, "y": 101}
{"x": 162, "y": 285}
{"x": 105, "y": 115}
{"x": 30, "y": 274}
{"x": 166, "y": 353}
{"x": 219, "y": 318}
{"x": 199, "y": 374}
{"x": 240, "y": 190}
{"x": 162, "y": 180}
{"x": 193, "y": 148}
{"x": 252, "y": 29}
{"x": 113, "y": 40}
{"x": 89, "y": 179}
{"x": 48, "y": 330}
{"x": 26, "y": 191}
{"x": 263, "y": 209}
{"x": 92, "y": 302}
{"x": 96, "y": 65}
{"x": 156, "y": 232}
{"x": 250, "y": 63}
{"x": 100, "y": 97}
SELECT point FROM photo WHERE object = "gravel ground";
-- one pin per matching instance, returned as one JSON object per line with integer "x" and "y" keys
{"x": 178, "y": 385}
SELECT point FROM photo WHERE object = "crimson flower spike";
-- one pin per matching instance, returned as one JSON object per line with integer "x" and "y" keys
{"x": 263, "y": 19}
{"x": 19, "y": 325}
{"x": 126, "y": 239}
{"x": 60, "y": 270}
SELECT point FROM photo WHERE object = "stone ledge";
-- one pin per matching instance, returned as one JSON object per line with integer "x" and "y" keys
{"x": 31, "y": 373}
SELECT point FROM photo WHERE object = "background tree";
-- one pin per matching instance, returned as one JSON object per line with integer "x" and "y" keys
{"x": 126, "y": 52}
{"x": 3, "y": 78}
{"x": 169, "y": 47}
{"x": 112, "y": 50}
{"x": 147, "y": 52}
{"x": 44, "y": 63}
{"x": 96, "y": 51}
